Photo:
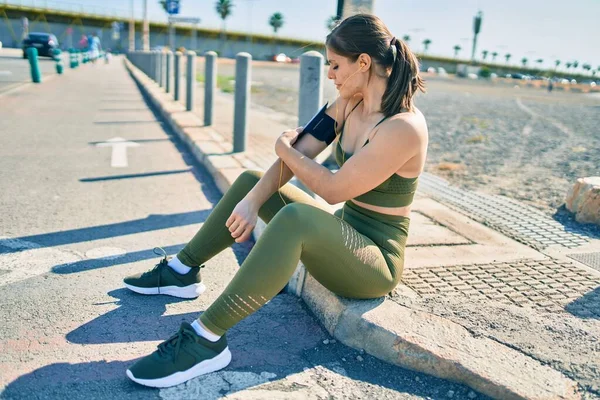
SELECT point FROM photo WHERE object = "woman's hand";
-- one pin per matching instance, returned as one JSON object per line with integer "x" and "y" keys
{"x": 242, "y": 221}
{"x": 286, "y": 140}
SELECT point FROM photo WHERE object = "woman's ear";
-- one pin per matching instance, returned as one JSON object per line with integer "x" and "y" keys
{"x": 364, "y": 62}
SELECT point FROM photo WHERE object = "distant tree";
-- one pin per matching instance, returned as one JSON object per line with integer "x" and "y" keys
{"x": 406, "y": 38}
{"x": 332, "y": 22}
{"x": 224, "y": 9}
{"x": 507, "y": 56}
{"x": 575, "y": 64}
{"x": 540, "y": 61}
{"x": 484, "y": 54}
{"x": 426, "y": 44}
{"x": 556, "y": 63}
{"x": 494, "y": 55}
{"x": 276, "y": 22}
{"x": 457, "y": 48}
{"x": 587, "y": 67}
{"x": 524, "y": 61}
{"x": 568, "y": 65}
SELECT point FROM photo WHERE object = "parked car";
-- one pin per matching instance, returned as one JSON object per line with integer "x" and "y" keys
{"x": 282, "y": 58}
{"x": 45, "y": 43}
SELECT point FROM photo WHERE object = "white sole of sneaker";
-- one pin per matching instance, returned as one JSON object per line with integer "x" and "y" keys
{"x": 185, "y": 292}
{"x": 205, "y": 367}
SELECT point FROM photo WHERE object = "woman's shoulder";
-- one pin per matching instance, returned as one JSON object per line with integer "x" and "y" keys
{"x": 406, "y": 123}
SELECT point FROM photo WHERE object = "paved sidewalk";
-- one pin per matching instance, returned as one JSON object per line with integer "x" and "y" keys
{"x": 512, "y": 316}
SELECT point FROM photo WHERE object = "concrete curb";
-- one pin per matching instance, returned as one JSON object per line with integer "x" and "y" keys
{"x": 408, "y": 338}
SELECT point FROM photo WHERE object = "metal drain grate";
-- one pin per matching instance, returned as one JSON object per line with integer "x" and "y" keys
{"x": 514, "y": 219}
{"x": 590, "y": 259}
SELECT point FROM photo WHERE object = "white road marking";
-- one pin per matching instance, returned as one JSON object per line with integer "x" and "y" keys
{"x": 30, "y": 260}
{"x": 119, "y": 151}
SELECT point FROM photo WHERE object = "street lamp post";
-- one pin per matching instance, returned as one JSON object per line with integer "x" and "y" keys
{"x": 146, "y": 29}
{"x": 132, "y": 29}
{"x": 476, "y": 30}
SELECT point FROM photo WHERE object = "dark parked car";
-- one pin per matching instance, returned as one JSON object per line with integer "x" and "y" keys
{"x": 45, "y": 43}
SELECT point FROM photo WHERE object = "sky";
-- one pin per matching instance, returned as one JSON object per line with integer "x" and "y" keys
{"x": 546, "y": 29}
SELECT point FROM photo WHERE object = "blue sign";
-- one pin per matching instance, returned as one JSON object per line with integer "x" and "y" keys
{"x": 173, "y": 6}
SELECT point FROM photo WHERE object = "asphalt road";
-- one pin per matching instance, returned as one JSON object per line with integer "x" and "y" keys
{"x": 15, "y": 71}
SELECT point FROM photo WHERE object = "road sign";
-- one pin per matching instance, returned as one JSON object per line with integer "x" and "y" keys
{"x": 189, "y": 20}
{"x": 173, "y": 6}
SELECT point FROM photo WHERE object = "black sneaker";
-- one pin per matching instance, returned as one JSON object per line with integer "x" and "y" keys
{"x": 163, "y": 279}
{"x": 180, "y": 358}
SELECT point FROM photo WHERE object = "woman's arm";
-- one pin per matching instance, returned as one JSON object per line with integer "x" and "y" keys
{"x": 307, "y": 146}
{"x": 367, "y": 169}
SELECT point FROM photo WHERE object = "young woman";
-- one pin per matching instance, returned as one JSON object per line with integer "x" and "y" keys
{"x": 357, "y": 253}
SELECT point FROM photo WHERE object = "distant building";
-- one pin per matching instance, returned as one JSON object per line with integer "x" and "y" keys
{"x": 347, "y": 8}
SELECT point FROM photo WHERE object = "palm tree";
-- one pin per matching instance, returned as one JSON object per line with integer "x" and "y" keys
{"x": 163, "y": 4}
{"x": 575, "y": 64}
{"x": 587, "y": 67}
{"x": 556, "y": 63}
{"x": 426, "y": 44}
{"x": 484, "y": 54}
{"x": 457, "y": 48}
{"x": 276, "y": 22}
{"x": 406, "y": 38}
{"x": 539, "y": 61}
{"x": 507, "y": 56}
{"x": 568, "y": 65}
{"x": 524, "y": 61}
{"x": 224, "y": 9}
{"x": 332, "y": 22}
{"x": 494, "y": 55}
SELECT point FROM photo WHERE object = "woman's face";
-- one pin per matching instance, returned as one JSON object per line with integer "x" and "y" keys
{"x": 341, "y": 70}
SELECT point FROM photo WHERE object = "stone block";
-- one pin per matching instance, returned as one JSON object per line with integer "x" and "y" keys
{"x": 583, "y": 200}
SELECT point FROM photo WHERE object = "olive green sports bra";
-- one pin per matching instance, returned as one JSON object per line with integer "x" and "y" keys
{"x": 396, "y": 191}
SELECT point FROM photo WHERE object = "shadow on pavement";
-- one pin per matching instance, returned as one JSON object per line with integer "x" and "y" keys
{"x": 150, "y": 223}
{"x": 138, "y": 318}
{"x": 269, "y": 342}
{"x": 587, "y": 306}
{"x": 127, "y": 122}
{"x": 131, "y": 176}
{"x": 567, "y": 219}
{"x": 88, "y": 265}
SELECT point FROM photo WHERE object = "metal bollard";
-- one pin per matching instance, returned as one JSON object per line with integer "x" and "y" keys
{"x": 156, "y": 66}
{"x": 242, "y": 100}
{"x": 210, "y": 86}
{"x": 57, "y": 56}
{"x": 177, "y": 75}
{"x": 73, "y": 62}
{"x": 190, "y": 81}
{"x": 161, "y": 69}
{"x": 32, "y": 56}
{"x": 169, "y": 72}
{"x": 311, "y": 86}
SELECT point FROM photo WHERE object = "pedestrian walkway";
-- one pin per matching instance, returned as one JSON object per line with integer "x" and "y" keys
{"x": 523, "y": 265}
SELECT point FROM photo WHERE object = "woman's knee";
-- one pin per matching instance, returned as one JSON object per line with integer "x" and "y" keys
{"x": 247, "y": 179}
{"x": 298, "y": 217}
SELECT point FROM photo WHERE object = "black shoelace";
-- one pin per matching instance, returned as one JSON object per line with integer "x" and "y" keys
{"x": 160, "y": 266}
{"x": 171, "y": 346}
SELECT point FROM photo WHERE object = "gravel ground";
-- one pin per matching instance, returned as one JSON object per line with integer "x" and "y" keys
{"x": 524, "y": 143}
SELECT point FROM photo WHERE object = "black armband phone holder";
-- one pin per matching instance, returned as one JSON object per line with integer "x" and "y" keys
{"x": 321, "y": 126}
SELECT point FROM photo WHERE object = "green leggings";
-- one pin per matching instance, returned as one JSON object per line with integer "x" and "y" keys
{"x": 360, "y": 257}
